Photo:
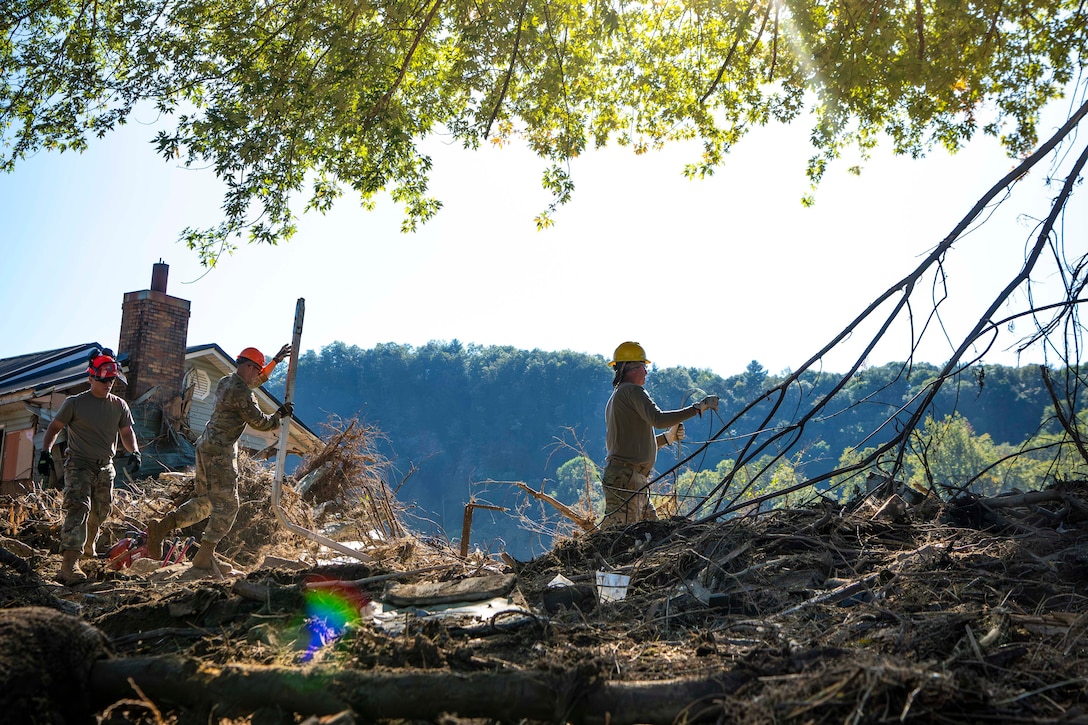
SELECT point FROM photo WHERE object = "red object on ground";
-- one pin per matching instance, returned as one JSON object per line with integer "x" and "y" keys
{"x": 124, "y": 552}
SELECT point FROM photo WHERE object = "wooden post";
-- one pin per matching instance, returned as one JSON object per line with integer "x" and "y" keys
{"x": 466, "y": 526}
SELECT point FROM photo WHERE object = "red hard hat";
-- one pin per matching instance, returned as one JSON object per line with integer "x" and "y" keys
{"x": 253, "y": 355}
{"x": 105, "y": 367}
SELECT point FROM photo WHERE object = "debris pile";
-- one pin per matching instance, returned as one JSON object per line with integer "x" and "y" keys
{"x": 345, "y": 481}
{"x": 967, "y": 610}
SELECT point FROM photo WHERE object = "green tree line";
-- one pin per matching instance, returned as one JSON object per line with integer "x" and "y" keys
{"x": 464, "y": 419}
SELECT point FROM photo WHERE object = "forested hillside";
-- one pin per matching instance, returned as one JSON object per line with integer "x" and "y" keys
{"x": 460, "y": 418}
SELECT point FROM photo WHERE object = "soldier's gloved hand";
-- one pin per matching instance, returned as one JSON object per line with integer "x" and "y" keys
{"x": 675, "y": 434}
{"x": 287, "y": 410}
{"x": 710, "y": 402}
{"x": 135, "y": 460}
{"x": 285, "y": 351}
{"x": 45, "y": 463}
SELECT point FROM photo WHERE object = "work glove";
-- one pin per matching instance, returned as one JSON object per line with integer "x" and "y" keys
{"x": 45, "y": 463}
{"x": 135, "y": 460}
{"x": 710, "y": 402}
{"x": 284, "y": 352}
{"x": 675, "y": 434}
{"x": 286, "y": 410}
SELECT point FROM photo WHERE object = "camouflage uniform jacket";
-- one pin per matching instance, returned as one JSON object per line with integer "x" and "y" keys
{"x": 235, "y": 406}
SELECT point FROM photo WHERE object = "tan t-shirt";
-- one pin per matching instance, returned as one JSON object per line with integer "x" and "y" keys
{"x": 93, "y": 424}
{"x": 630, "y": 417}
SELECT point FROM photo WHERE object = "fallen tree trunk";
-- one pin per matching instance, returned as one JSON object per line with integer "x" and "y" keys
{"x": 43, "y": 653}
{"x": 1028, "y": 498}
{"x": 237, "y": 690}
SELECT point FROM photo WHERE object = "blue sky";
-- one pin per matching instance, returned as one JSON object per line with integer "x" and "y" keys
{"x": 711, "y": 273}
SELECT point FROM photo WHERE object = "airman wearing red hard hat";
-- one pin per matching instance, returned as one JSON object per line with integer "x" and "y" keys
{"x": 216, "y": 482}
{"x": 257, "y": 358}
{"x": 94, "y": 419}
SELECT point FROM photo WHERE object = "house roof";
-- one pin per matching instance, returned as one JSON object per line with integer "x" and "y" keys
{"x": 36, "y": 374}
{"x": 39, "y": 373}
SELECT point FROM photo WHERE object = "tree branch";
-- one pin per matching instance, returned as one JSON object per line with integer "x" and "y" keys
{"x": 1068, "y": 422}
{"x": 728, "y": 57}
{"x": 509, "y": 70}
{"x": 904, "y": 287}
{"x": 384, "y": 100}
{"x": 585, "y": 523}
{"x": 423, "y": 695}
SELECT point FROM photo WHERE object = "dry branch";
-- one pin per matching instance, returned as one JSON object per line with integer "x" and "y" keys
{"x": 1022, "y": 499}
{"x": 585, "y": 523}
{"x": 779, "y": 441}
{"x": 1068, "y": 420}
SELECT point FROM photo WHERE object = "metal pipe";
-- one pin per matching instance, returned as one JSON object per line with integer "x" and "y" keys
{"x": 281, "y": 454}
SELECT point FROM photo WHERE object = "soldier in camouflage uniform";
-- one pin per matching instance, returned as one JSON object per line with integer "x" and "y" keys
{"x": 94, "y": 419}
{"x": 216, "y": 482}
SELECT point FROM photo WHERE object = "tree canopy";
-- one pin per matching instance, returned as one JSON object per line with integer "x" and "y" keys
{"x": 294, "y": 102}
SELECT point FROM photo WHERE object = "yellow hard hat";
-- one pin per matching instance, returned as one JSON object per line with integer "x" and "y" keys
{"x": 628, "y": 352}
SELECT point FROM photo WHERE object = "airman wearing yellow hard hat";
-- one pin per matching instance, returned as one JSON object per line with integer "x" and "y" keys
{"x": 630, "y": 419}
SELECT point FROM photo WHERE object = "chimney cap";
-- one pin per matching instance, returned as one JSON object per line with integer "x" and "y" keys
{"x": 160, "y": 271}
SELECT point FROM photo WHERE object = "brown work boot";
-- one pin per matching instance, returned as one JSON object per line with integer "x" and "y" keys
{"x": 70, "y": 573}
{"x": 205, "y": 556}
{"x": 157, "y": 529}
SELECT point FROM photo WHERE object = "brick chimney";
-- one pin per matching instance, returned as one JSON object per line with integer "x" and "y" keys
{"x": 154, "y": 329}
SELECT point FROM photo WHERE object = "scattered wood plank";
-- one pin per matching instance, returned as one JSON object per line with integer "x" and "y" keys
{"x": 472, "y": 589}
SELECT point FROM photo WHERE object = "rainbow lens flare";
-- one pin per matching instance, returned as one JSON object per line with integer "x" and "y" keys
{"x": 330, "y": 605}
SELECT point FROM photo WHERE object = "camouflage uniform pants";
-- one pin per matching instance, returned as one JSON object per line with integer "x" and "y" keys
{"x": 88, "y": 496}
{"x": 216, "y": 496}
{"x": 626, "y": 496}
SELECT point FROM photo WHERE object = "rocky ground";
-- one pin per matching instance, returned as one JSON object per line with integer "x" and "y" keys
{"x": 962, "y": 611}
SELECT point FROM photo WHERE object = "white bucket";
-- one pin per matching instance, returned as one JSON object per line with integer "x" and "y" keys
{"x": 611, "y": 587}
